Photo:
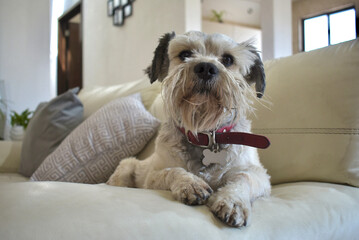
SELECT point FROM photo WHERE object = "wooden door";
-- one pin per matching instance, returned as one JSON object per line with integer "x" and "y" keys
{"x": 69, "y": 70}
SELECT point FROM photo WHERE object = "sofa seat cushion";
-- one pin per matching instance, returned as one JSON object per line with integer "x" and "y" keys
{"x": 57, "y": 210}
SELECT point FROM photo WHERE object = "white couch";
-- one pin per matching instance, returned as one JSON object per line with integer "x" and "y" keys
{"x": 311, "y": 116}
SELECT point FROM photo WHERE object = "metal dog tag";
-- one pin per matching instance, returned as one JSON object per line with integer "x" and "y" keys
{"x": 219, "y": 157}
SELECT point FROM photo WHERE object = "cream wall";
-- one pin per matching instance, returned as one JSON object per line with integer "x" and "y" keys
{"x": 236, "y": 32}
{"x": 276, "y": 17}
{"x": 309, "y": 8}
{"x": 272, "y": 17}
{"x": 193, "y": 15}
{"x": 25, "y": 52}
{"x": 115, "y": 55}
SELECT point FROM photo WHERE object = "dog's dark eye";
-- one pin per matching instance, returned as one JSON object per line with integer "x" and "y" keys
{"x": 185, "y": 54}
{"x": 227, "y": 60}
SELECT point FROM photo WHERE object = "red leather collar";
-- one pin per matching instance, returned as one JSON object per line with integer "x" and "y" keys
{"x": 224, "y": 136}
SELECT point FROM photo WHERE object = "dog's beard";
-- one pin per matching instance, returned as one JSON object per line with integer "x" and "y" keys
{"x": 204, "y": 106}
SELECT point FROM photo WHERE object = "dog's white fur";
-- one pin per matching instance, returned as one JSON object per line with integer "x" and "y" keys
{"x": 176, "y": 165}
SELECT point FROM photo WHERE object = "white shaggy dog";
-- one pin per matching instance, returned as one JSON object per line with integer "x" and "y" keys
{"x": 201, "y": 152}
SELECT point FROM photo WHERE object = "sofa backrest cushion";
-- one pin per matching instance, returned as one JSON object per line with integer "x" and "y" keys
{"x": 94, "y": 97}
{"x": 313, "y": 121}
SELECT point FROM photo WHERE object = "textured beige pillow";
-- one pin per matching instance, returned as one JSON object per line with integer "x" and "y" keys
{"x": 313, "y": 122}
{"x": 92, "y": 151}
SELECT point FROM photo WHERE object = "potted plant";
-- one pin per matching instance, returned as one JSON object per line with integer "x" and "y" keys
{"x": 217, "y": 16}
{"x": 19, "y": 124}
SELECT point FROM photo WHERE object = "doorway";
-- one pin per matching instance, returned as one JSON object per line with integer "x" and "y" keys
{"x": 69, "y": 62}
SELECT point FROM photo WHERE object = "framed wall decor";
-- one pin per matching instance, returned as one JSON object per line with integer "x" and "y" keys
{"x": 118, "y": 17}
{"x": 117, "y": 3}
{"x": 127, "y": 10}
{"x": 119, "y": 10}
{"x": 110, "y": 8}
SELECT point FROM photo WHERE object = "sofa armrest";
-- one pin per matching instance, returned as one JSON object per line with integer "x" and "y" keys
{"x": 10, "y": 155}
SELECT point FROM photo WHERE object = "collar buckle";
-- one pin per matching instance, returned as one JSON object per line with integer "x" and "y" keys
{"x": 212, "y": 144}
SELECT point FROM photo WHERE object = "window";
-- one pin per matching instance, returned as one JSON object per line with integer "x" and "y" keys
{"x": 329, "y": 29}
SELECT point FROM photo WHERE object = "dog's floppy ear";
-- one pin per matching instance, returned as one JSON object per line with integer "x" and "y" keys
{"x": 256, "y": 74}
{"x": 158, "y": 70}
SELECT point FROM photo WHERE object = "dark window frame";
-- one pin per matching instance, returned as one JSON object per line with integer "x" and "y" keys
{"x": 328, "y": 15}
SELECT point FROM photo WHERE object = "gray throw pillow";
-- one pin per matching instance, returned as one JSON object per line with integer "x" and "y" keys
{"x": 93, "y": 150}
{"x": 50, "y": 124}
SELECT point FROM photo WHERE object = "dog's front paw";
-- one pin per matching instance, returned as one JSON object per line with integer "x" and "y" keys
{"x": 192, "y": 191}
{"x": 233, "y": 213}
{"x": 124, "y": 175}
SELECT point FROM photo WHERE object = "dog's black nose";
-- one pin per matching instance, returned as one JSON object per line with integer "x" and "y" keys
{"x": 206, "y": 71}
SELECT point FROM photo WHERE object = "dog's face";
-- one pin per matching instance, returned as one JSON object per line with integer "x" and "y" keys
{"x": 206, "y": 78}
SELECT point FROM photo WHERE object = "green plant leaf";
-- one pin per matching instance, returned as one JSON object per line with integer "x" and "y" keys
{"x": 20, "y": 119}
{"x": 217, "y": 16}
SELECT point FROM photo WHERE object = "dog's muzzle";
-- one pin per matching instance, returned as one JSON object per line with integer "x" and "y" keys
{"x": 206, "y": 71}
